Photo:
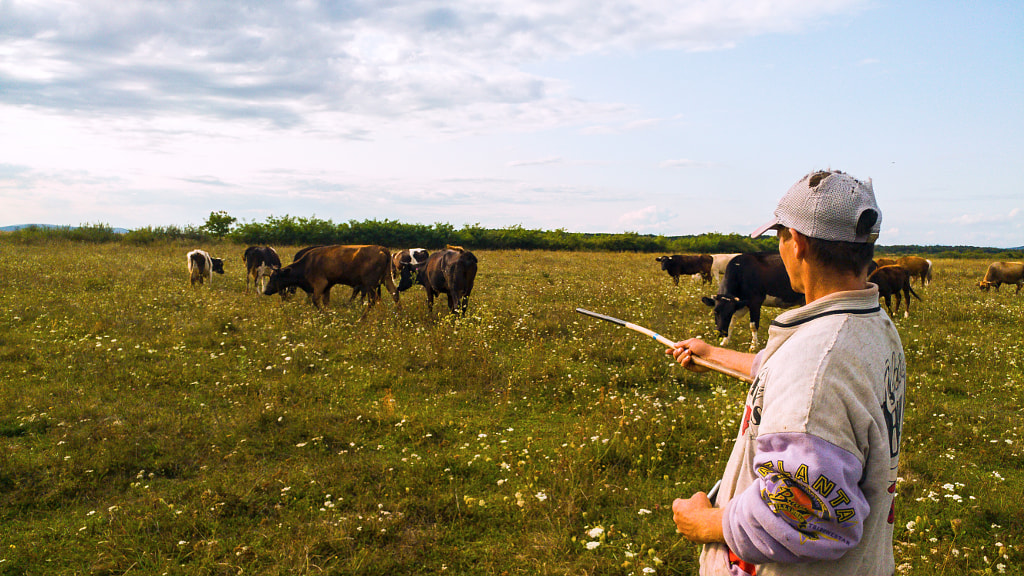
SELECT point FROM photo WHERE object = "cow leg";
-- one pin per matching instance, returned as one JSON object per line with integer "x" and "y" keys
{"x": 675, "y": 280}
{"x": 1019, "y": 284}
{"x": 755, "y": 323}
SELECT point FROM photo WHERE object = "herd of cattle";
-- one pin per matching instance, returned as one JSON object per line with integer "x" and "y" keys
{"x": 316, "y": 269}
{"x": 746, "y": 282}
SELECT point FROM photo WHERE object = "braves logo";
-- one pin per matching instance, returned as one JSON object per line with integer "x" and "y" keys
{"x": 752, "y": 410}
{"x": 892, "y": 407}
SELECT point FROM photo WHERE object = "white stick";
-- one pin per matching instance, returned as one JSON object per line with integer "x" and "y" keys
{"x": 669, "y": 343}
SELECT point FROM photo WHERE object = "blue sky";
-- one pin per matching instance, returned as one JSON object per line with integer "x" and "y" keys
{"x": 593, "y": 116}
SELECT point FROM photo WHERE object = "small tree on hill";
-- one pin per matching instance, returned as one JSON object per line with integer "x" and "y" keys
{"x": 218, "y": 224}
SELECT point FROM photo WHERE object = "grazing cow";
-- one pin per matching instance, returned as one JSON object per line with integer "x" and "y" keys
{"x": 718, "y": 264}
{"x": 918, "y": 268}
{"x": 201, "y": 266}
{"x": 891, "y": 280}
{"x": 288, "y": 292}
{"x": 1003, "y": 273}
{"x": 320, "y": 268}
{"x": 260, "y": 261}
{"x": 677, "y": 266}
{"x": 749, "y": 280}
{"x": 450, "y": 271}
{"x": 405, "y": 264}
{"x": 885, "y": 261}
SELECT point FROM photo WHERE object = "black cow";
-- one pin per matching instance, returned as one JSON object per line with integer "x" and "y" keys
{"x": 891, "y": 280}
{"x": 677, "y": 265}
{"x": 260, "y": 261}
{"x": 450, "y": 271}
{"x": 751, "y": 281}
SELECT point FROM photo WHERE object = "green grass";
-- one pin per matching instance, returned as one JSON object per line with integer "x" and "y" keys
{"x": 149, "y": 428}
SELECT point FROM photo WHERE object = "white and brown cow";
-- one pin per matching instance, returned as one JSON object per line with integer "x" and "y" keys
{"x": 260, "y": 262}
{"x": 201, "y": 266}
{"x": 1003, "y": 273}
{"x": 685, "y": 265}
{"x": 917, "y": 267}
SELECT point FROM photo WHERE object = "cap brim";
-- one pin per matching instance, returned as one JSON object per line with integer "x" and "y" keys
{"x": 772, "y": 224}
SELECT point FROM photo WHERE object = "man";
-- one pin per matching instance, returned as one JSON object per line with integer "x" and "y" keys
{"x": 810, "y": 484}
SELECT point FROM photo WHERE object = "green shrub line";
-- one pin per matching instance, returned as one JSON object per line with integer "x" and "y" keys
{"x": 297, "y": 231}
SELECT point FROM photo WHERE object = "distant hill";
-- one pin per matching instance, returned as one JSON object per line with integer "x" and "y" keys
{"x": 20, "y": 226}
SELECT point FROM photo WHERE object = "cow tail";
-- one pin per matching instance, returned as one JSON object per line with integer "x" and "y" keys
{"x": 389, "y": 280}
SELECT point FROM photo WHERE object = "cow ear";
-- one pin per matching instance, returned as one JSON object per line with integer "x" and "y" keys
{"x": 708, "y": 301}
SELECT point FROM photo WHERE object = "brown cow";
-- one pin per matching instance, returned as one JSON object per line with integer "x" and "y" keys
{"x": 918, "y": 268}
{"x": 891, "y": 280}
{"x": 886, "y": 262}
{"x": 1003, "y": 273}
{"x": 677, "y": 266}
{"x": 362, "y": 267}
{"x": 452, "y": 272}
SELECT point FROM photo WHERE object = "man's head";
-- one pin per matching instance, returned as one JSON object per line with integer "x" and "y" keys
{"x": 837, "y": 214}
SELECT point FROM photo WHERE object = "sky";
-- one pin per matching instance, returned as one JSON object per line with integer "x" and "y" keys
{"x": 645, "y": 116}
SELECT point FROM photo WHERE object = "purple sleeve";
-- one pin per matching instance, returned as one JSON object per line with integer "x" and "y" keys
{"x": 805, "y": 504}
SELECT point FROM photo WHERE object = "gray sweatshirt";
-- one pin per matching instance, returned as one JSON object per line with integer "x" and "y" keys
{"x": 810, "y": 484}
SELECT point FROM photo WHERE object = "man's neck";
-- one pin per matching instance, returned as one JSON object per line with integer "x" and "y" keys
{"x": 821, "y": 283}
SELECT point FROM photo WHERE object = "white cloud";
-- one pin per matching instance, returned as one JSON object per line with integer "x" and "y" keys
{"x": 974, "y": 219}
{"x": 645, "y": 219}
{"x": 450, "y": 63}
{"x": 684, "y": 163}
{"x": 539, "y": 162}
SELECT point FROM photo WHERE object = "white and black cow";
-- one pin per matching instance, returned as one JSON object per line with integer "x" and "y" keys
{"x": 201, "y": 266}
{"x": 260, "y": 261}
{"x": 405, "y": 264}
{"x": 750, "y": 282}
{"x": 718, "y": 264}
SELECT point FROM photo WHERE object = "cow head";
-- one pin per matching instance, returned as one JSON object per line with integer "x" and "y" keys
{"x": 664, "y": 261}
{"x": 984, "y": 285}
{"x": 218, "y": 265}
{"x": 725, "y": 307}
{"x": 280, "y": 279}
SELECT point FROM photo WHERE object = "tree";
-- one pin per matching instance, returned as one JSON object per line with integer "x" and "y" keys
{"x": 218, "y": 224}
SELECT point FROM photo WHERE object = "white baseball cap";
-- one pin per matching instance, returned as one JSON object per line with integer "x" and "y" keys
{"x": 827, "y": 205}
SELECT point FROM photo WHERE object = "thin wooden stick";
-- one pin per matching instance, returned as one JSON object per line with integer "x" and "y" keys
{"x": 669, "y": 343}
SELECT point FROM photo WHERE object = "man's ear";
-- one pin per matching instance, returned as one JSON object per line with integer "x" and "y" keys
{"x": 799, "y": 244}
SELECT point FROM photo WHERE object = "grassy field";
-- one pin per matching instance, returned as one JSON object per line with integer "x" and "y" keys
{"x": 150, "y": 428}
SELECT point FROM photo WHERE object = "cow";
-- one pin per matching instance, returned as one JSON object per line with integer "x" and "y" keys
{"x": 718, "y": 264}
{"x": 1003, "y": 273}
{"x": 288, "y": 292}
{"x": 677, "y": 266}
{"x": 918, "y": 268}
{"x": 260, "y": 261}
{"x": 750, "y": 279}
{"x": 450, "y": 271}
{"x": 885, "y": 261}
{"x": 316, "y": 271}
{"x": 405, "y": 264}
{"x": 891, "y": 280}
{"x": 201, "y": 267}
